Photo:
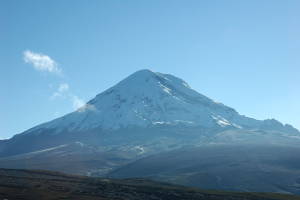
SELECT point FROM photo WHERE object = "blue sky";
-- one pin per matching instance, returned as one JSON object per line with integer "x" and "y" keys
{"x": 55, "y": 54}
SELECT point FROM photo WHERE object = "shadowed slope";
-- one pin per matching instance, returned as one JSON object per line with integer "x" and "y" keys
{"x": 45, "y": 185}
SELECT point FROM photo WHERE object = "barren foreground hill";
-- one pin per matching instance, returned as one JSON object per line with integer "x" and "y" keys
{"x": 34, "y": 184}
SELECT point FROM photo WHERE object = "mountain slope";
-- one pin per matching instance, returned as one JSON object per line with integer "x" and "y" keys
{"x": 260, "y": 168}
{"x": 46, "y": 185}
{"x": 75, "y": 158}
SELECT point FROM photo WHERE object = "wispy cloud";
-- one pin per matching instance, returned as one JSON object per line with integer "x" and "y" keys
{"x": 77, "y": 102}
{"x": 87, "y": 107}
{"x": 80, "y": 105}
{"x": 41, "y": 62}
{"x": 63, "y": 91}
{"x": 63, "y": 87}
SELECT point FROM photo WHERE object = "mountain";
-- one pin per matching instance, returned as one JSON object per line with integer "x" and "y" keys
{"x": 75, "y": 158}
{"x": 147, "y": 99}
{"x": 260, "y": 168}
{"x": 143, "y": 102}
{"x": 146, "y": 114}
{"x": 47, "y": 185}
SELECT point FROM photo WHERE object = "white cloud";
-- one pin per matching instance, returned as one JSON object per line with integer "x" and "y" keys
{"x": 55, "y": 95}
{"x": 80, "y": 105}
{"x": 77, "y": 102}
{"x": 56, "y": 114}
{"x": 63, "y": 87}
{"x": 41, "y": 62}
{"x": 87, "y": 107}
{"x": 62, "y": 91}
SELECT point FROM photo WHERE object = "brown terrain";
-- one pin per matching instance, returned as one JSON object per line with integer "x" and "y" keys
{"x": 37, "y": 184}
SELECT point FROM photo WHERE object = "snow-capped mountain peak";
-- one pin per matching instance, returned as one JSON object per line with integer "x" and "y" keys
{"x": 147, "y": 99}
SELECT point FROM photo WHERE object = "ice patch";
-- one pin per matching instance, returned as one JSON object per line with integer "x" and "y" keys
{"x": 140, "y": 149}
{"x": 184, "y": 121}
{"x": 79, "y": 143}
{"x": 166, "y": 89}
{"x": 160, "y": 123}
{"x": 221, "y": 121}
{"x": 48, "y": 149}
{"x": 185, "y": 85}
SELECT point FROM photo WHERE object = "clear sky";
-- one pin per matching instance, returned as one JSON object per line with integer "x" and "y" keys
{"x": 56, "y": 54}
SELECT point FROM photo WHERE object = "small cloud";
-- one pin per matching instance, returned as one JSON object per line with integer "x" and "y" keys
{"x": 55, "y": 95}
{"x": 80, "y": 105}
{"x": 77, "y": 102}
{"x": 63, "y": 87}
{"x": 56, "y": 114}
{"x": 62, "y": 90}
{"x": 87, "y": 107}
{"x": 41, "y": 62}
